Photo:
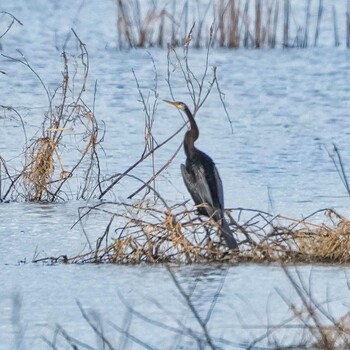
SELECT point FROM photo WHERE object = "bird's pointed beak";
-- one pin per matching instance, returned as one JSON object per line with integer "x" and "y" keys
{"x": 171, "y": 103}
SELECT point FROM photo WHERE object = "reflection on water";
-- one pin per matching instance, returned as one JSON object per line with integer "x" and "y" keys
{"x": 287, "y": 108}
{"x": 238, "y": 303}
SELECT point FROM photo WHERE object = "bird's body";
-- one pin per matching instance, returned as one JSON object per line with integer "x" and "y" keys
{"x": 203, "y": 181}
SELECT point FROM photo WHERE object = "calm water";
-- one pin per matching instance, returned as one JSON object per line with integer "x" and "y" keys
{"x": 287, "y": 109}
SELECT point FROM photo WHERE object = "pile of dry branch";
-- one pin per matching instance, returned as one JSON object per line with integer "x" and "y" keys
{"x": 145, "y": 232}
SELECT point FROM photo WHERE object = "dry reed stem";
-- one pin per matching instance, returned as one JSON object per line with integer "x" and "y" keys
{"x": 13, "y": 20}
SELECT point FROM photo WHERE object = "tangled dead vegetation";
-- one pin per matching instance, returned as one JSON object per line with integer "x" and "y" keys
{"x": 146, "y": 233}
{"x": 326, "y": 243}
{"x": 69, "y": 131}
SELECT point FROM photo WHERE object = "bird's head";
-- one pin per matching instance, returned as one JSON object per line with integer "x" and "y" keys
{"x": 178, "y": 105}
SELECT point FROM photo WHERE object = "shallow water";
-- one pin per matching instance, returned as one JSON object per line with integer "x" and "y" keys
{"x": 287, "y": 108}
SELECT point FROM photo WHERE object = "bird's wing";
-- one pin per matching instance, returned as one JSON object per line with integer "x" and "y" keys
{"x": 197, "y": 185}
{"x": 191, "y": 184}
{"x": 220, "y": 190}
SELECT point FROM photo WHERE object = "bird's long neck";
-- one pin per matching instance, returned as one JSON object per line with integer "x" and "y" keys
{"x": 191, "y": 135}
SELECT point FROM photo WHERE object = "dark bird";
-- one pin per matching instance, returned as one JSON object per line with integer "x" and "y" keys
{"x": 202, "y": 179}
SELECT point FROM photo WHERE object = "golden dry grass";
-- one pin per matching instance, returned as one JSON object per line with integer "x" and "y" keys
{"x": 325, "y": 243}
{"x": 41, "y": 166}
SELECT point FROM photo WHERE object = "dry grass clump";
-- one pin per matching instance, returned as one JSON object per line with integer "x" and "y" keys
{"x": 306, "y": 240}
{"x": 61, "y": 156}
{"x": 41, "y": 166}
{"x": 326, "y": 243}
{"x": 144, "y": 232}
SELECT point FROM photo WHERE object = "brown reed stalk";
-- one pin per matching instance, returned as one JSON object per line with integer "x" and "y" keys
{"x": 145, "y": 25}
{"x": 220, "y": 25}
{"x": 124, "y": 23}
{"x": 227, "y": 32}
{"x": 173, "y": 24}
{"x": 246, "y": 23}
{"x": 306, "y": 29}
{"x": 286, "y": 23}
{"x": 233, "y": 39}
{"x": 201, "y": 20}
{"x": 266, "y": 14}
{"x": 269, "y": 23}
{"x": 348, "y": 24}
{"x": 136, "y": 28}
{"x": 275, "y": 22}
{"x": 319, "y": 17}
{"x": 160, "y": 41}
{"x": 335, "y": 26}
{"x": 258, "y": 15}
{"x": 185, "y": 12}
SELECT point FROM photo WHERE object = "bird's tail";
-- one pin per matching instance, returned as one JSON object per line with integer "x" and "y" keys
{"x": 226, "y": 233}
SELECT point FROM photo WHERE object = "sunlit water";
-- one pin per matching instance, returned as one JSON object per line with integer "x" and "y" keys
{"x": 287, "y": 108}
